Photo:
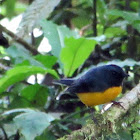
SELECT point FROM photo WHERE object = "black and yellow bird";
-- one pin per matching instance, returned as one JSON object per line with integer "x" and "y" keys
{"x": 97, "y": 86}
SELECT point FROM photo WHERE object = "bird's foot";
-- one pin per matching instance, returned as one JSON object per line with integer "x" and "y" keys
{"x": 118, "y": 104}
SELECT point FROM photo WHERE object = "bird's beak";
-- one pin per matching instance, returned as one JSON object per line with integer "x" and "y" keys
{"x": 126, "y": 75}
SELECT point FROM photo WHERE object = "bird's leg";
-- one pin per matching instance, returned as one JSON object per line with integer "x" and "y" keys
{"x": 118, "y": 104}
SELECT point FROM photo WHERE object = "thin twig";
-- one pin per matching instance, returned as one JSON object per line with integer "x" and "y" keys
{"x": 20, "y": 40}
{"x": 94, "y": 19}
{"x": 5, "y": 135}
{"x": 85, "y": 28}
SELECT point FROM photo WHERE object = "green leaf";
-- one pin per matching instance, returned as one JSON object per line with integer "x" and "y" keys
{"x": 120, "y": 135}
{"x": 56, "y": 35}
{"x": 19, "y": 102}
{"x": 52, "y": 72}
{"x": 47, "y": 135}
{"x": 20, "y": 7}
{"x": 32, "y": 124}
{"x": 115, "y": 12}
{"x": 10, "y": 7}
{"x": 75, "y": 52}
{"x": 82, "y": 15}
{"x": 102, "y": 8}
{"x": 136, "y": 135}
{"x": 36, "y": 94}
{"x": 47, "y": 60}
{"x": 134, "y": 5}
{"x": 20, "y": 73}
{"x": 10, "y": 129}
{"x": 129, "y": 16}
{"x": 132, "y": 17}
{"x": 18, "y": 87}
{"x": 20, "y": 54}
{"x": 126, "y": 62}
{"x": 136, "y": 25}
{"x": 114, "y": 31}
{"x": 124, "y": 135}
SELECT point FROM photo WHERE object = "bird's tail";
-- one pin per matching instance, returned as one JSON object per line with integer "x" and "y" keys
{"x": 67, "y": 82}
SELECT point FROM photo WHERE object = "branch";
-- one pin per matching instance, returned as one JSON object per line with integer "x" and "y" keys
{"x": 20, "y": 40}
{"x": 94, "y": 19}
{"x": 112, "y": 115}
{"x": 4, "y": 133}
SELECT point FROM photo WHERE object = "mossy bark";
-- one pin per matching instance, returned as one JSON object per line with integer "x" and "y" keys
{"x": 110, "y": 120}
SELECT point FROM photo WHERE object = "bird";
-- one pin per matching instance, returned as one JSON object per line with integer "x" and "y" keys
{"x": 99, "y": 85}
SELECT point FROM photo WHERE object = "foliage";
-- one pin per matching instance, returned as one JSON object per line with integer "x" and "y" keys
{"x": 52, "y": 31}
{"x": 30, "y": 125}
{"x": 20, "y": 73}
{"x": 41, "y": 110}
{"x": 71, "y": 54}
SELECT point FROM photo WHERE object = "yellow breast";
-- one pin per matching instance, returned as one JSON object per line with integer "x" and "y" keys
{"x": 96, "y": 98}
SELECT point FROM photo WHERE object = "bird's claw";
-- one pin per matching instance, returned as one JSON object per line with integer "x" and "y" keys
{"x": 118, "y": 104}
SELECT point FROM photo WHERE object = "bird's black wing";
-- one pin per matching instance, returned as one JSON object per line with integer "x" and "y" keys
{"x": 90, "y": 82}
